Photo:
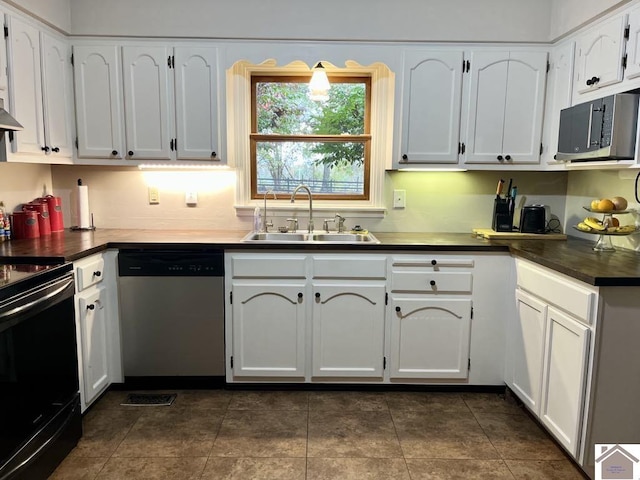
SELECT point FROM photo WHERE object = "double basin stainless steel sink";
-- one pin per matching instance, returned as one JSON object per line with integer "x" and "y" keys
{"x": 314, "y": 237}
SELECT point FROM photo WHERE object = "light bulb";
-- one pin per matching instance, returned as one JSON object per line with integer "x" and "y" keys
{"x": 319, "y": 85}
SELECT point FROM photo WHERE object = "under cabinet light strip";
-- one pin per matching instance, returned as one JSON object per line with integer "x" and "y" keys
{"x": 151, "y": 166}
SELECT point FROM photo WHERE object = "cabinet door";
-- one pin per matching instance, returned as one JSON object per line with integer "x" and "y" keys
{"x": 94, "y": 342}
{"x": 26, "y": 86}
{"x": 429, "y": 338}
{"x": 565, "y": 368}
{"x": 486, "y": 112}
{"x": 527, "y": 346}
{"x": 268, "y": 325}
{"x": 599, "y": 55}
{"x": 146, "y": 100}
{"x": 56, "y": 94}
{"x": 196, "y": 91}
{"x": 506, "y": 107}
{"x": 633, "y": 45}
{"x": 4, "y": 79}
{"x": 524, "y": 107}
{"x": 348, "y": 330}
{"x": 98, "y": 95}
{"x": 432, "y": 96}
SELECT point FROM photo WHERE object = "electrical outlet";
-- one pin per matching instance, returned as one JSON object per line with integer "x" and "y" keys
{"x": 399, "y": 198}
{"x": 154, "y": 196}
{"x": 191, "y": 198}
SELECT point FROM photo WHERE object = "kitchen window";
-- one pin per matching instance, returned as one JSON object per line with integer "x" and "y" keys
{"x": 296, "y": 140}
{"x": 376, "y": 139}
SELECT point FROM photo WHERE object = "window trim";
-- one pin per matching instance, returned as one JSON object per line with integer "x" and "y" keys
{"x": 364, "y": 138}
{"x": 239, "y": 127}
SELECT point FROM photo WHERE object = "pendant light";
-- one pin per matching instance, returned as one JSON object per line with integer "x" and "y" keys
{"x": 319, "y": 84}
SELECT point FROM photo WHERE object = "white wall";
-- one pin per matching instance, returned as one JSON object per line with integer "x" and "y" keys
{"x": 567, "y": 15}
{"x": 446, "y": 20}
{"x": 21, "y": 183}
{"x": 54, "y": 12}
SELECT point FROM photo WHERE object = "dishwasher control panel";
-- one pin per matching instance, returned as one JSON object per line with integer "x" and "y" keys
{"x": 171, "y": 263}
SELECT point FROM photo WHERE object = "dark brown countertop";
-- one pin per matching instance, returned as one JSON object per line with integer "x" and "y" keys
{"x": 573, "y": 257}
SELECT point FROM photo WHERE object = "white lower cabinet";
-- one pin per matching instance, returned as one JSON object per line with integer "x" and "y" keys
{"x": 92, "y": 317}
{"x": 348, "y": 330}
{"x": 268, "y": 323}
{"x": 549, "y": 345}
{"x": 429, "y": 338}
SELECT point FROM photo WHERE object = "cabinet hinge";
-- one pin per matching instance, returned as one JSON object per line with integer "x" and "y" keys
{"x": 231, "y": 361}
{"x": 175, "y": 144}
{"x": 548, "y": 66}
{"x": 77, "y": 142}
{"x": 624, "y": 61}
{"x": 169, "y": 61}
{"x": 466, "y": 66}
{"x": 626, "y": 32}
{"x": 171, "y": 144}
{"x": 469, "y": 365}
{"x": 384, "y": 363}
{"x": 6, "y": 32}
{"x": 72, "y": 64}
{"x": 461, "y": 148}
{"x": 173, "y": 61}
{"x": 230, "y": 297}
{"x": 386, "y": 298}
{"x": 10, "y": 135}
{"x": 471, "y": 313}
{"x": 541, "y": 148}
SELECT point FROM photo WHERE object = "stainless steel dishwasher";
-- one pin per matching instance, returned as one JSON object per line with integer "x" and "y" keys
{"x": 172, "y": 317}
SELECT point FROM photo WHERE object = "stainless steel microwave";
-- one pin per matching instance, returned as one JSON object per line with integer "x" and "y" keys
{"x": 603, "y": 129}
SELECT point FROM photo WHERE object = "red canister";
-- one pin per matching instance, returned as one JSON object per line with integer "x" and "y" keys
{"x": 55, "y": 212}
{"x": 44, "y": 223}
{"x": 25, "y": 224}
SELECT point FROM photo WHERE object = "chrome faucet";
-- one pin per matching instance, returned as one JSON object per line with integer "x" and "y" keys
{"x": 338, "y": 220}
{"x": 266, "y": 224}
{"x": 293, "y": 199}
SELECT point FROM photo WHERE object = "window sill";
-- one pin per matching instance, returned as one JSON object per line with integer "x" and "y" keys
{"x": 301, "y": 209}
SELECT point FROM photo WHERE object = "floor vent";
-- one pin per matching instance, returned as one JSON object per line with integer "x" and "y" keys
{"x": 149, "y": 399}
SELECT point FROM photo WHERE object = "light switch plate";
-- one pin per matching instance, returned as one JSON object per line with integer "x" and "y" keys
{"x": 154, "y": 196}
{"x": 399, "y": 198}
{"x": 191, "y": 198}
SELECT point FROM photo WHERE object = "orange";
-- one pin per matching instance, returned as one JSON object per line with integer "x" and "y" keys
{"x": 605, "y": 205}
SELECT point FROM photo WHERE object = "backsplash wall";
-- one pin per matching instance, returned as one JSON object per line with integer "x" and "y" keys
{"x": 436, "y": 201}
{"x": 22, "y": 182}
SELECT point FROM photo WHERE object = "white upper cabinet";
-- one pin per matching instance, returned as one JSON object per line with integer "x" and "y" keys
{"x": 40, "y": 91}
{"x": 146, "y": 102}
{"x": 56, "y": 86}
{"x": 633, "y": 44}
{"x": 99, "y": 116}
{"x": 599, "y": 55}
{"x": 431, "y": 102}
{"x": 505, "y": 109}
{"x": 196, "y": 100}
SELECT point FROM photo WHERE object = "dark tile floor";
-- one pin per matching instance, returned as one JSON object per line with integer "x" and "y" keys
{"x": 271, "y": 435}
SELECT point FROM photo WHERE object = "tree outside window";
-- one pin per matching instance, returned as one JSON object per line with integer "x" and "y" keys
{"x": 294, "y": 140}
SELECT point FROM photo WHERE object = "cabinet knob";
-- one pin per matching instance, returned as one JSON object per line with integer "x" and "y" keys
{"x": 114, "y": 152}
{"x": 508, "y": 157}
{"x": 398, "y": 309}
{"x": 130, "y": 153}
{"x": 592, "y": 81}
{"x": 55, "y": 149}
{"x": 300, "y": 296}
{"x": 434, "y": 262}
{"x": 214, "y": 154}
{"x": 432, "y": 283}
{"x": 97, "y": 273}
{"x": 405, "y": 157}
{"x": 317, "y": 297}
{"x": 45, "y": 149}
{"x": 91, "y": 306}
{"x": 499, "y": 157}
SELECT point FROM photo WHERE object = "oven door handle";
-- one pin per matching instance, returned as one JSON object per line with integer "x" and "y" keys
{"x": 64, "y": 284}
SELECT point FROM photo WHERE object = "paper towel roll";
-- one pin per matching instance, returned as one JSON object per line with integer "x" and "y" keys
{"x": 84, "y": 213}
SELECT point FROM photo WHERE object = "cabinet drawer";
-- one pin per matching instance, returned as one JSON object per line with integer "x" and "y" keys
{"x": 268, "y": 266}
{"x": 557, "y": 289}
{"x": 351, "y": 266}
{"x": 432, "y": 263}
{"x": 89, "y": 272}
{"x": 431, "y": 282}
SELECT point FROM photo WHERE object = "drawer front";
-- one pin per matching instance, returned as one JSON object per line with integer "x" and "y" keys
{"x": 556, "y": 289}
{"x": 89, "y": 272}
{"x": 432, "y": 282}
{"x": 349, "y": 266}
{"x": 268, "y": 266}
{"x": 431, "y": 262}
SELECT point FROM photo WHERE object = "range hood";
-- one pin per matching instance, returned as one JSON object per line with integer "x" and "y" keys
{"x": 7, "y": 122}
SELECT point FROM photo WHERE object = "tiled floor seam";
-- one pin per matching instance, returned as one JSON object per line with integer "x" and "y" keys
{"x": 395, "y": 429}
